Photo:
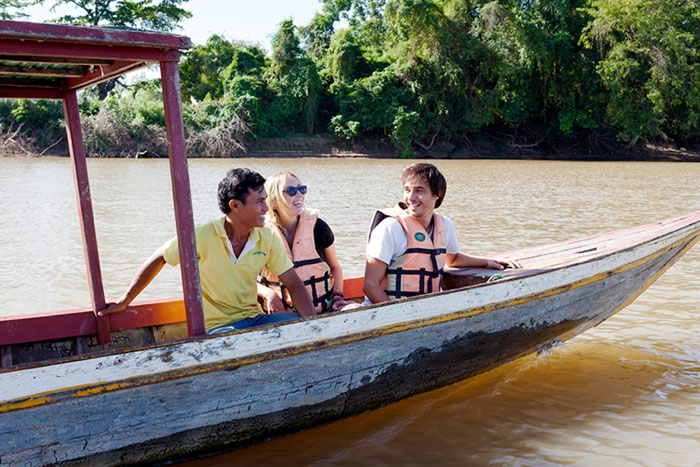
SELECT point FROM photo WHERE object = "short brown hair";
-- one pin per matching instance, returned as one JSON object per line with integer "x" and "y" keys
{"x": 431, "y": 174}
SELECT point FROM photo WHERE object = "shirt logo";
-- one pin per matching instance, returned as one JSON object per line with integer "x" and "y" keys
{"x": 259, "y": 253}
{"x": 419, "y": 236}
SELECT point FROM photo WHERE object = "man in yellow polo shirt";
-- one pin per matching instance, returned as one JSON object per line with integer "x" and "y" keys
{"x": 231, "y": 252}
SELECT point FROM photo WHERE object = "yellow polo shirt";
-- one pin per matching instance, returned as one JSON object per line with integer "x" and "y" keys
{"x": 229, "y": 290}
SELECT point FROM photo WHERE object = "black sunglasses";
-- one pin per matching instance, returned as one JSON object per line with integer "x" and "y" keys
{"x": 292, "y": 190}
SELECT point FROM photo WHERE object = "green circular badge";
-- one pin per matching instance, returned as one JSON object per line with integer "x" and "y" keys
{"x": 419, "y": 236}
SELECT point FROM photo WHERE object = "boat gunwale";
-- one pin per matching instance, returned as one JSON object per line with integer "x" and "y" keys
{"x": 535, "y": 272}
{"x": 62, "y": 394}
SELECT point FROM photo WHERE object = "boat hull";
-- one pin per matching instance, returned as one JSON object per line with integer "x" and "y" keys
{"x": 197, "y": 397}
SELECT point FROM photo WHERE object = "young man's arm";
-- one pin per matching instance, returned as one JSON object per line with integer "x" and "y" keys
{"x": 298, "y": 291}
{"x": 460, "y": 260}
{"x": 146, "y": 273}
{"x": 375, "y": 270}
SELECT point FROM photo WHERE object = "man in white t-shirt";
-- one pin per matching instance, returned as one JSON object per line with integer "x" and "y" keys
{"x": 407, "y": 250}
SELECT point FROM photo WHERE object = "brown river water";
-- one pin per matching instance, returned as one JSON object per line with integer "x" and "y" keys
{"x": 624, "y": 393}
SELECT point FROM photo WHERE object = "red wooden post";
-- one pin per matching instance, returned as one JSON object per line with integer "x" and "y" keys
{"x": 182, "y": 198}
{"x": 87, "y": 223}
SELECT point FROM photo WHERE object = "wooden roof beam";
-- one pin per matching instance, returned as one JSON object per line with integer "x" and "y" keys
{"x": 86, "y": 51}
{"x": 54, "y": 60}
{"x": 104, "y": 73}
{"x": 36, "y": 71}
{"x": 30, "y": 83}
{"x": 29, "y": 93}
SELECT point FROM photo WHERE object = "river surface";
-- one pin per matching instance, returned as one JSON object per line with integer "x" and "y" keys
{"x": 624, "y": 393}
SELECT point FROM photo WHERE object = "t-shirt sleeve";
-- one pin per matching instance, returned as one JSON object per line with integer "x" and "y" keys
{"x": 384, "y": 243}
{"x": 278, "y": 261}
{"x": 323, "y": 235}
{"x": 171, "y": 253}
{"x": 452, "y": 246}
{"x": 323, "y": 238}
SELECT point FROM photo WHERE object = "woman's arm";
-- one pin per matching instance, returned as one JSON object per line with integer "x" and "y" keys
{"x": 334, "y": 266}
{"x": 337, "y": 273}
{"x": 300, "y": 294}
{"x": 273, "y": 302}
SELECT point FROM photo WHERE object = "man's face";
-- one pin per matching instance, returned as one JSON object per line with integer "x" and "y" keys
{"x": 418, "y": 197}
{"x": 252, "y": 212}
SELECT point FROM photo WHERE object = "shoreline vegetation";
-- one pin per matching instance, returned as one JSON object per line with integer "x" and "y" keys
{"x": 476, "y": 79}
{"x": 327, "y": 146}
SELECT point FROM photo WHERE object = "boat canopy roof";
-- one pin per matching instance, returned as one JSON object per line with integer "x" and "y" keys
{"x": 39, "y": 60}
{"x": 54, "y": 61}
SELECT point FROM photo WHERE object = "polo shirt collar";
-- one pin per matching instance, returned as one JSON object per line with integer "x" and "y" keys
{"x": 253, "y": 237}
{"x": 220, "y": 228}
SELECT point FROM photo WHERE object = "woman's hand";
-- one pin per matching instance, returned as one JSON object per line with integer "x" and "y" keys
{"x": 274, "y": 302}
{"x": 339, "y": 304}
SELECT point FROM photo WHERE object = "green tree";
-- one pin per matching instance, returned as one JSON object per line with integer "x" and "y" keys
{"x": 160, "y": 15}
{"x": 201, "y": 70}
{"x": 10, "y": 9}
{"x": 295, "y": 82}
{"x": 649, "y": 65}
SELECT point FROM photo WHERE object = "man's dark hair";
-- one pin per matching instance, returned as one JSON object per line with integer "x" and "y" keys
{"x": 431, "y": 174}
{"x": 236, "y": 185}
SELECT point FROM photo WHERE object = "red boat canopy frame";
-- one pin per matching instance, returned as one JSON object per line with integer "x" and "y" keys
{"x": 51, "y": 61}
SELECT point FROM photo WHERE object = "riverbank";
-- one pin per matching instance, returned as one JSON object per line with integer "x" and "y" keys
{"x": 484, "y": 149}
{"x": 491, "y": 148}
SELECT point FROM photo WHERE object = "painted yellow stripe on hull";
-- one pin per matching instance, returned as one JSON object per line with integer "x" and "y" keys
{"x": 142, "y": 380}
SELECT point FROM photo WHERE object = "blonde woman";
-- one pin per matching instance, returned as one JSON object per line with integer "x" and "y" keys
{"x": 309, "y": 241}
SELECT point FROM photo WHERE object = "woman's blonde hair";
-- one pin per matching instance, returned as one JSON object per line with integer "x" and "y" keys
{"x": 275, "y": 194}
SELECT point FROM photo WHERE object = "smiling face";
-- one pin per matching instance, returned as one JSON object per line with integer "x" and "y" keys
{"x": 419, "y": 198}
{"x": 251, "y": 213}
{"x": 292, "y": 205}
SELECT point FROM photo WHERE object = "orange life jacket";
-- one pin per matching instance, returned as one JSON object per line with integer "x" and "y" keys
{"x": 419, "y": 269}
{"x": 312, "y": 270}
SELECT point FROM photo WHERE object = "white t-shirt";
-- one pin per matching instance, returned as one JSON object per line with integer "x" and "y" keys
{"x": 388, "y": 240}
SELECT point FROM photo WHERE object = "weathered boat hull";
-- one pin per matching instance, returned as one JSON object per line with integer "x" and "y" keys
{"x": 194, "y": 397}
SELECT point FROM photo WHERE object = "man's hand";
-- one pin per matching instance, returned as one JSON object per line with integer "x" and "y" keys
{"x": 502, "y": 263}
{"x": 117, "y": 307}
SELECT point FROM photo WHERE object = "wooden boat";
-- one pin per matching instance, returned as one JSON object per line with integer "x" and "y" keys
{"x": 169, "y": 400}
{"x": 145, "y": 385}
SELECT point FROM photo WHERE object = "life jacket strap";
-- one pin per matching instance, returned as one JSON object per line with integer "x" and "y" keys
{"x": 306, "y": 262}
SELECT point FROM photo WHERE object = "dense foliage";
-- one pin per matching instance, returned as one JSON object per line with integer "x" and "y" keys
{"x": 431, "y": 74}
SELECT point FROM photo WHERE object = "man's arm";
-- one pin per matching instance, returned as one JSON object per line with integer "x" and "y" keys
{"x": 298, "y": 291}
{"x": 460, "y": 260}
{"x": 146, "y": 273}
{"x": 375, "y": 270}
